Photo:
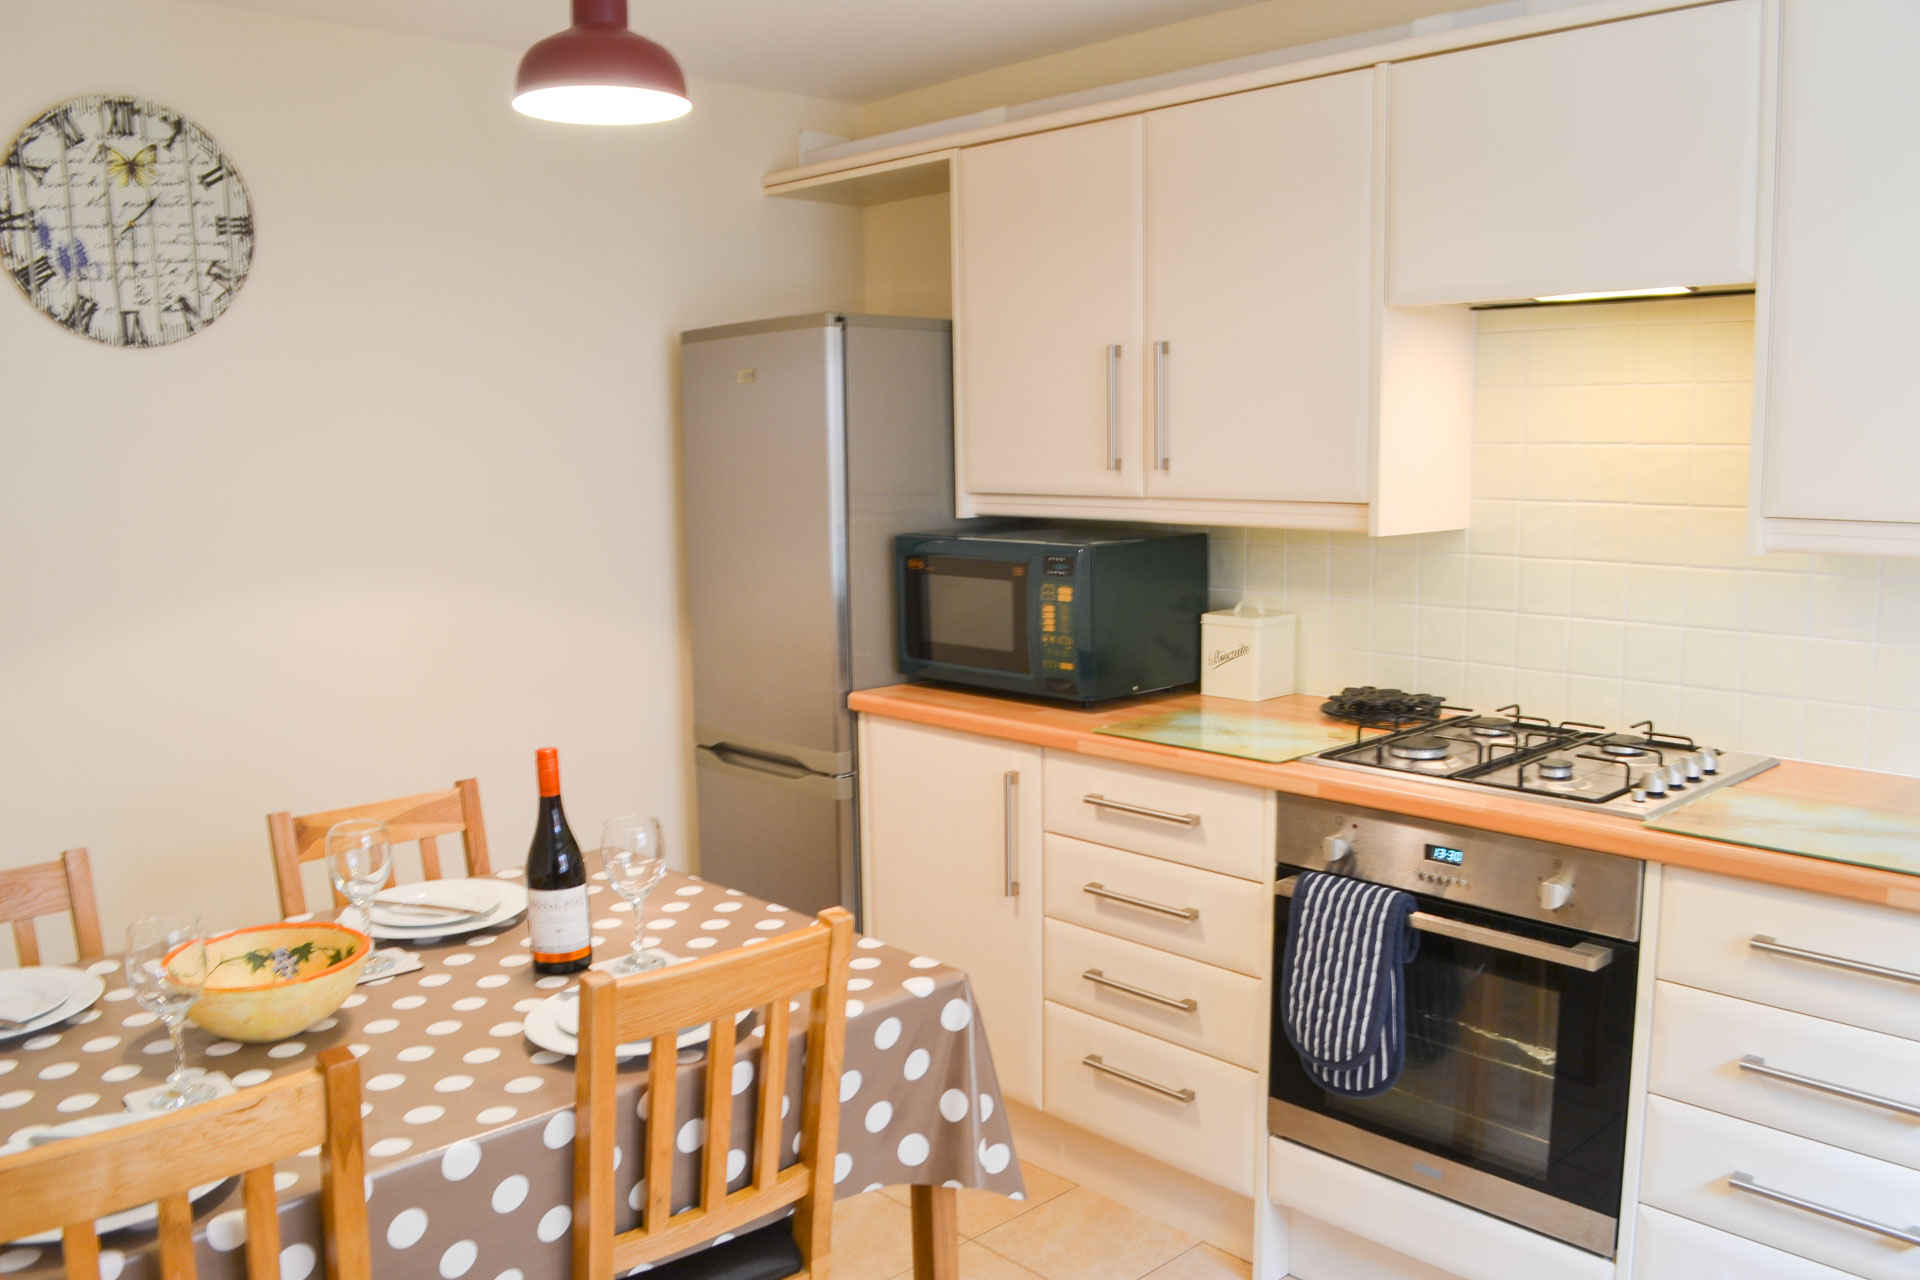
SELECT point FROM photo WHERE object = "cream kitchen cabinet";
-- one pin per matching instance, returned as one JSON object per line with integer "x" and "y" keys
{"x": 1174, "y": 317}
{"x": 950, "y": 857}
{"x": 1623, "y": 155}
{"x": 1835, "y": 400}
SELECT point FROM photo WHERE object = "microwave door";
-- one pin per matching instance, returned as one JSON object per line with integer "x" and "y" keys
{"x": 969, "y": 612}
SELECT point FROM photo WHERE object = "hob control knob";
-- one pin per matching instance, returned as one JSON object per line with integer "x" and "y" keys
{"x": 1692, "y": 766}
{"x": 1556, "y": 891}
{"x": 1654, "y": 783}
{"x": 1336, "y": 848}
{"x": 1709, "y": 760}
{"x": 1676, "y": 776}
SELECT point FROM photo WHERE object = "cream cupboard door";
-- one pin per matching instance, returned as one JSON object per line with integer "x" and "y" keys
{"x": 950, "y": 828}
{"x": 1258, "y": 266}
{"x": 1047, "y": 313}
{"x": 1840, "y": 449}
{"x": 1618, "y": 156}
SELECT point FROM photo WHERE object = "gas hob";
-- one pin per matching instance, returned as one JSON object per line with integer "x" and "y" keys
{"x": 1639, "y": 773}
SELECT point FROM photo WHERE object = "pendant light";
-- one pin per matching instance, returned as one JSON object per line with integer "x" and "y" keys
{"x": 599, "y": 72}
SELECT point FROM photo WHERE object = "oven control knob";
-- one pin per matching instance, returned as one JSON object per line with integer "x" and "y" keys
{"x": 1556, "y": 891}
{"x": 1709, "y": 760}
{"x": 1336, "y": 849}
{"x": 1654, "y": 783}
{"x": 1693, "y": 767}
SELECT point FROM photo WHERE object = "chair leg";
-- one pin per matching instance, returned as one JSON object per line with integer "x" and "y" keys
{"x": 936, "y": 1233}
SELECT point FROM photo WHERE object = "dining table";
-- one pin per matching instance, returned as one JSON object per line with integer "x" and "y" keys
{"x": 469, "y": 1127}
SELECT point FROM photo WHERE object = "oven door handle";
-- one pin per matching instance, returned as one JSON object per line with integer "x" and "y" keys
{"x": 1588, "y": 957}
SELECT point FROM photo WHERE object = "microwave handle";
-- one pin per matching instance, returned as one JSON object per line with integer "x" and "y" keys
{"x": 1588, "y": 957}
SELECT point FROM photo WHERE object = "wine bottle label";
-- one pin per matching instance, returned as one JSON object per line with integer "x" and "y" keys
{"x": 558, "y": 921}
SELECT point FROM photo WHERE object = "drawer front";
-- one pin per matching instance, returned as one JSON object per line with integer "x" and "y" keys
{"x": 1218, "y": 826}
{"x": 1700, "y": 1040}
{"x": 1691, "y": 1154}
{"x": 1197, "y": 914}
{"x": 1707, "y": 924}
{"x": 1670, "y": 1248}
{"x": 1224, "y": 1014}
{"x": 1212, "y": 1134}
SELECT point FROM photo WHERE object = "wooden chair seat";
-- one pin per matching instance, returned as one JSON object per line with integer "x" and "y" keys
{"x": 67, "y": 1185}
{"x": 808, "y": 964}
{"x": 50, "y": 888}
{"x": 422, "y": 818}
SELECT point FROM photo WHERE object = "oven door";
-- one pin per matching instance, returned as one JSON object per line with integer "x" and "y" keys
{"x": 1514, "y": 1096}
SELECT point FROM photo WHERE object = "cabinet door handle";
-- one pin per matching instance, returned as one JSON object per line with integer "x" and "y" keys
{"x": 1162, "y": 429}
{"x": 1178, "y": 1095}
{"x": 1113, "y": 407}
{"x": 1099, "y": 890}
{"x": 1758, "y": 1066}
{"x": 1185, "y": 1004}
{"x": 1010, "y": 798}
{"x": 1743, "y": 1182}
{"x": 1141, "y": 811}
{"x": 1761, "y": 942}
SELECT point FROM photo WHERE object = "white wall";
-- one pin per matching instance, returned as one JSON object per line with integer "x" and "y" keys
{"x": 1606, "y": 577}
{"x": 407, "y": 511}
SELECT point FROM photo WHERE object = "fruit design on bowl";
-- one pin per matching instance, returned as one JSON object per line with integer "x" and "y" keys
{"x": 275, "y": 980}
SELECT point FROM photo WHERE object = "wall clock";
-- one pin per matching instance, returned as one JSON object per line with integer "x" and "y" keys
{"x": 123, "y": 221}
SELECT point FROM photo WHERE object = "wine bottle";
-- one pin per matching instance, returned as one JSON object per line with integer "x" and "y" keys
{"x": 557, "y": 914}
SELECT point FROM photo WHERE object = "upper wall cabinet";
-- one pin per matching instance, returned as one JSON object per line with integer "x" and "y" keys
{"x": 1837, "y": 406}
{"x": 1612, "y": 157}
{"x": 1175, "y": 317}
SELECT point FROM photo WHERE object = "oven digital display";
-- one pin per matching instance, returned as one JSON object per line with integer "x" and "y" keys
{"x": 1441, "y": 853}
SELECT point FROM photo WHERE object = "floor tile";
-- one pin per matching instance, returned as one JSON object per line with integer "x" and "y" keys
{"x": 1204, "y": 1262}
{"x": 1078, "y": 1235}
{"x": 977, "y": 1262}
{"x": 872, "y": 1238}
{"x": 982, "y": 1211}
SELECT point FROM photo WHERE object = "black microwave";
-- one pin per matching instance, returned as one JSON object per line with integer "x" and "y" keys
{"x": 1072, "y": 614}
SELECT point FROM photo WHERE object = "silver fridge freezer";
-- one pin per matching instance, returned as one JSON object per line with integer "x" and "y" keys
{"x": 808, "y": 443}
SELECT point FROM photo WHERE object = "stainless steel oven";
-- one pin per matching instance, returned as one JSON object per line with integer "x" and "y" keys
{"x": 1520, "y": 1010}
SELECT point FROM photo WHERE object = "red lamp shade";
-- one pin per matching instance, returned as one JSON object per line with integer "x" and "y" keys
{"x": 599, "y": 72}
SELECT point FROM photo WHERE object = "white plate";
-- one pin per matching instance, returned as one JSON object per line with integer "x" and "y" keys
{"x": 141, "y": 1215}
{"x": 509, "y": 900}
{"x": 547, "y": 1023}
{"x": 77, "y": 991}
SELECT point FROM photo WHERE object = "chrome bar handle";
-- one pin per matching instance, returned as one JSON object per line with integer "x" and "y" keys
{"x": 1744, "y": 1182}
{"x": 1141, "y": 811}
{"x": 1758, "y": 1066}
{"x": 1761, "y": 942}
{"x": 1113, "y": 407}
{"x": 1186, "y": 1004}
{"x": 1588, "y": 957}
{"x": 1098, "y": 1064}
{"x": 1010, "y": 799}
{"x": 1099, "y": 890}
{"x": 1162, "y": 455}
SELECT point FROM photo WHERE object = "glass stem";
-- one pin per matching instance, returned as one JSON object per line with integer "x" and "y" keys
{"x": 177, "y": 1082}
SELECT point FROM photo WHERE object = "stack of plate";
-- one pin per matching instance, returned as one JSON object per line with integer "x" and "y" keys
{"x": 446, "y": 908}
{"x": 31, "y": 999}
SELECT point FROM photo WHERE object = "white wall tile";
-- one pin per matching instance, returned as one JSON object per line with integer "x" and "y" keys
{"x": 1722, "y": 413}
{"x": 1546, "y": 586}
{"x": 1307, "y": 570}
{"x": 1596, "y": 648}
{"x": 1546, "y": 529}
{"x": 1540, "y": 642}
{"x": 1396, "y": 628}
{"x": 1396, "y": 576}
{"x": 1443, "y": 579}
{"x": 1834, "y": 733}
{"x": 1664, "y": 353}
{"x": 1654, "y": 653}
{"x": 1656, "y": 593}
{"x": 1443, "y": 632}
{"x": 1493, "y": 582}
{"x": 1553, "y": 357}
{"x": 1711, "y": 659}
{"x": 1607, "y": 355}
{"x": 1599, "y": 590}
{"x": 1350, "y": 572}
{"x": 1775, "y": 665}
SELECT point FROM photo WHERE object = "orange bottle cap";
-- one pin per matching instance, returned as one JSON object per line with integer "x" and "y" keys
{"x": 547, "y": 760}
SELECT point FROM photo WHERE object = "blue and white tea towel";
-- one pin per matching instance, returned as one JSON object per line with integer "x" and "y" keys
{"x": 1343, "y": 981}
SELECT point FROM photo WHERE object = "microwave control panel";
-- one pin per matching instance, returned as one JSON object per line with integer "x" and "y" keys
{"x": 1056, "y": 620}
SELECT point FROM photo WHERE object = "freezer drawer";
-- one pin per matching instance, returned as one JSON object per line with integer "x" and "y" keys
{"x": 777, "y": 832}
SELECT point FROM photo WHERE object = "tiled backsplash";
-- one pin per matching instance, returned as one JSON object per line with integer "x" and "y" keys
{"x": 1605, "y": 575}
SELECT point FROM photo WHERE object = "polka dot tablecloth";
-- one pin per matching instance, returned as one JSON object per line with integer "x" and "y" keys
{"x": 469, "y": 1127}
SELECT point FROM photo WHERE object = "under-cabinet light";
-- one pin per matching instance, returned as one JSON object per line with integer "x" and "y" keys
{"x": 1665, "y": 291}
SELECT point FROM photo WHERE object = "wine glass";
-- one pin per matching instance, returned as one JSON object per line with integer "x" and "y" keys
{"x": 359, "y": 859}
{"x": 166, "y": 969}
{"x": 634, "y": 856}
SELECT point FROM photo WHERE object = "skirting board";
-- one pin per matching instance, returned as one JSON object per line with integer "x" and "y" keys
{"x": 1173, "y": 1196}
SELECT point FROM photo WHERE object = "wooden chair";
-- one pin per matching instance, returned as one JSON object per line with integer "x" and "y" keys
{"x": 424, "y": 818}
{"x": 656, "y": 1006}
{"x": 49, "y": 888}
{"x": 68, "y": 1184}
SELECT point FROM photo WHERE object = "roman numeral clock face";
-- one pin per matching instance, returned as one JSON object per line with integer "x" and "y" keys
{"x": 123, "y": 221}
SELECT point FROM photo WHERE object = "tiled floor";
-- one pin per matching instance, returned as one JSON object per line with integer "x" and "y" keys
{"x": 1060, "y": 1232}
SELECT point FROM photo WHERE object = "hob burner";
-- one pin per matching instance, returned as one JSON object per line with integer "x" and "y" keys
{"x": 1556, "y": 769}
{"x": 1623, "y": 749}
{"x": 1424, "y": 748}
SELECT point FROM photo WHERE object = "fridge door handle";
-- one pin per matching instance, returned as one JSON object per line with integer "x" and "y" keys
{"x": 773, "y": 770}
{"x": 760, "y": 762}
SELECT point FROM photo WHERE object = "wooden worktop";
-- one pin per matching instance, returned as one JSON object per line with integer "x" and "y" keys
{"x": 1065, "y": 728}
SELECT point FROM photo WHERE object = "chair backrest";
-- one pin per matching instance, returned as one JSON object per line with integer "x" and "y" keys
{"x": 66, "y": 1185}
{"x": 49, "y": 888}
{"x": 655, "y": 1007}
{"x": 424, "y": 818}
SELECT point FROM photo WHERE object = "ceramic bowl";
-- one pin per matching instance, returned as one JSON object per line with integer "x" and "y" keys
{"x": 276, "y": 980}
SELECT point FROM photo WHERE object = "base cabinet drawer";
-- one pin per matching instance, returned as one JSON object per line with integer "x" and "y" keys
{"x": 1200, "y": 1006}
{"x": 1217, "y": 826}
{"x": 1786, "y": 1070}
{"x": 1693, "y": 1156}
{"x": 1670, "y": 1248}
{"x": 1175, "y": 1105}
{"x": 1211, "y": 918}
{"x": 1708, "y": 928}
